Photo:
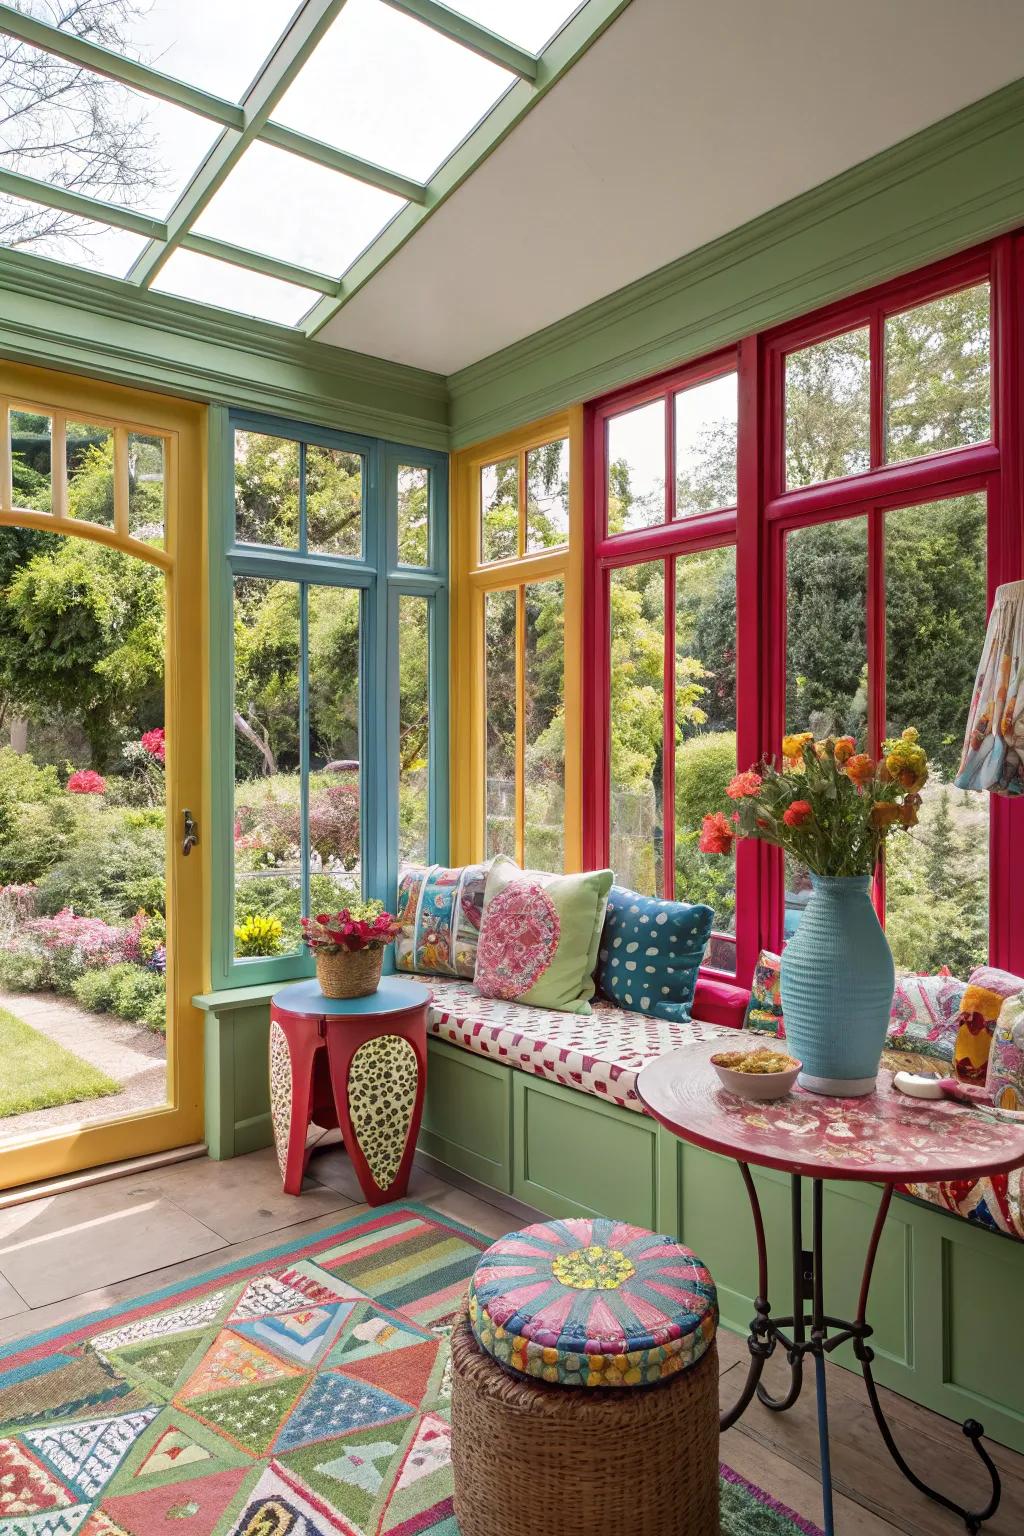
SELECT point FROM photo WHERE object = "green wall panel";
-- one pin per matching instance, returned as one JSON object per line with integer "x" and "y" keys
{"x": 985, "y": 1351}
{"x": 467, "y": 1115}
{"x": 950, "y": 186}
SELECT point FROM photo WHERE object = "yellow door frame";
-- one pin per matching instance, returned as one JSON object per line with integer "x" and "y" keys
{"x": 471, "y": 581}
{"x": 182, "y": 425}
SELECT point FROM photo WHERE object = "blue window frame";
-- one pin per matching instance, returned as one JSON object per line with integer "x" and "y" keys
{"x": 345, "y": 537}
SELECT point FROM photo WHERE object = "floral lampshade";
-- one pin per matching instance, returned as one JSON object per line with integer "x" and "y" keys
{"x": 993, "y": 756}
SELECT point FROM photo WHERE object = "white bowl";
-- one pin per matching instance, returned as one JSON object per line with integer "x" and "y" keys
{"x": 758, "y": 1086}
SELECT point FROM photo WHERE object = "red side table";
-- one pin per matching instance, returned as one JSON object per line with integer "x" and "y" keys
{"x": 359, "y": 1063}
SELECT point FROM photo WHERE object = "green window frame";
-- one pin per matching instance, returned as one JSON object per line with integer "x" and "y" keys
{"x": 380, "y": 578}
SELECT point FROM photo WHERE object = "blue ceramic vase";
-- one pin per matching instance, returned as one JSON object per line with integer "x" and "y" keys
{"x": 837, "y": 980}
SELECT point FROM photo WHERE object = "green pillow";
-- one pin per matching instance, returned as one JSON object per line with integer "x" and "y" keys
{"x": 539, "y": 937}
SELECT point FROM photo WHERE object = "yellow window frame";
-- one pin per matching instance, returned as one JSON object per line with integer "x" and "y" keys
{"x": 182, "y": 426}
{"x": 472, "y": 580}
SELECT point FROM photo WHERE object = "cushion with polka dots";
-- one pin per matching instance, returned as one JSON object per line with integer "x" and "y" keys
{"x": 650, "y": 953}
{"x": 591, "y": 1302}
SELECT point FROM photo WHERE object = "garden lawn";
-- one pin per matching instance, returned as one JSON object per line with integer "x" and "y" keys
{"x": 38, "y": 1074}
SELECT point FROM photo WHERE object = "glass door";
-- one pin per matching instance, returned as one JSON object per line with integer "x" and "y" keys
{"x": 101, "y": 793}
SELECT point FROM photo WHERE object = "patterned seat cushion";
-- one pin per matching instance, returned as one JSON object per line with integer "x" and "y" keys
{"x": 996, "y": 1202}
{"x": 592, "y": 1303}
{"x": 600, "y": 1053}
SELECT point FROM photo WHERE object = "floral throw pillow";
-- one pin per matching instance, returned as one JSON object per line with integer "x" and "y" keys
{"x": 764, "y": 1011}
{"x": 924, "y": 1016}
{"x": 982, "y": 1003}
{"x": 440, "y": 911}
{"x": 1005, "y": 1081}
{"x": 538, "y": 943}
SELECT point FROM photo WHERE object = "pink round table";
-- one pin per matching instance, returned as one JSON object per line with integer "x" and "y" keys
{"x": 885, "y": 1138}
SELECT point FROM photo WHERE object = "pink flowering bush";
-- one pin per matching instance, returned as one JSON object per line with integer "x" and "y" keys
{"x": 86, "y": 781}
{"x": 154, "y": 742}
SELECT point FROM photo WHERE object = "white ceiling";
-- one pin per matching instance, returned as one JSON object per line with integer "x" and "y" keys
{"x": 686, "y": 119}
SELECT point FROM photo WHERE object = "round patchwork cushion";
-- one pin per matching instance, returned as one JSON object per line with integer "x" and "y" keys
{"x": 592, "y": 1303}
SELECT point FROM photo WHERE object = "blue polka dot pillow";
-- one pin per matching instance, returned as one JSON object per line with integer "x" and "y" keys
{"x": 650, "y": 953}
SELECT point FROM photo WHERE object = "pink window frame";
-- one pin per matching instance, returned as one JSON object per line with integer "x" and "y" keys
{"x": 758, "y": 525}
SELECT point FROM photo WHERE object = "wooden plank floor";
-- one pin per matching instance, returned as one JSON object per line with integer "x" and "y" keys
{"x": 87, "y": 1248}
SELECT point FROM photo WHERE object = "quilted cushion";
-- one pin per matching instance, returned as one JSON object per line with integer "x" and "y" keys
{"x": 982, "y": 1002}
{"x": 996, "y": 1202}
{"x": 538, "y": 942}
{"x": 650, "y": 953}
{"x": 1005, "y": 1081}
{"x": 592, "y": 1303}
{"x": 600, "y": 1053}
{"x": 924, "y": 1015}
{"x": 439, "y": 911}
{"x": 764, "y": 1011}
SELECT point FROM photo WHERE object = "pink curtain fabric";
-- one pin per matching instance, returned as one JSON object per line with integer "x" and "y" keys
{"x": 993, "y": 756}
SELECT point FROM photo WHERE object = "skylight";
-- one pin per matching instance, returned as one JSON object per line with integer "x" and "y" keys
{"x": 245, "y": 153}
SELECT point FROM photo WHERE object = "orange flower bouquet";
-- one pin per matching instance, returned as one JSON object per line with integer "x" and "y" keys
{"x": 828, "y": 805}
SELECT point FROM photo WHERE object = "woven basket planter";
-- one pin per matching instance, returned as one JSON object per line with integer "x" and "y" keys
{"x": 349, "y": 973}
{"x": 535, "y": 1460}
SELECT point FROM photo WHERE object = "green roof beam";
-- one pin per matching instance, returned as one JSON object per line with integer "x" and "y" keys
{"x": 77, "y": 50}
{"x": 17, "y": 185}
{"x": 570, "y": 44}
{"x": 471, "y": 35}
{"x": 337, "y": 160}
{"x": 240, "y": 256}
{"x": 306, "y": 30}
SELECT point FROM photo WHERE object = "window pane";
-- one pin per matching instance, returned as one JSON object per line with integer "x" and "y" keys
{"x": 146, "y": 487}
{"x": 413, "y": 729}
{"x": 210, "y": 281}
{"x": 391, "y": 90}
{"x": 547, "y": 496}
{"x": 937, "y": 876}
{"x": 499, "y": 510}
{"x": 267, "y": 813}
{"x": 65, "y": 237}
{"x": 828, "y": 409}
{"x": 544, "y": 726}
{"x": 334, "y": 845}
{"x": 500, "y": 715}
{"x": 331, "y": 218}
{"x": 334, "y": 501}
{"x": 636, "y": 468}
{"x": 413, "y": 515}
{"x": 706, "y": 446}
{"x": 637, "y": 612}
{"x": 826, "y": 649}
{"x": 938, "y": 375}
{"x": 706, "y": 733}
{"x": 266, "y": 490}
{"x": 90, "y": 462}
{"x": 31, "y": 438}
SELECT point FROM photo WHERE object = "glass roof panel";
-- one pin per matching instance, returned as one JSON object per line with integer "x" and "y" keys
{"x": 209, "y": 281}
{"x": 219, "y": 47}
{"x": 326, "y": 218}
{"x": 66, "y": 237}
{"x": 384, "y": 87}
{"x": 65, "y": 125}
{"x": 531, "y": 24}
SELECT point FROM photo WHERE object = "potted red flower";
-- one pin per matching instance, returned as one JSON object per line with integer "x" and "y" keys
{"x": 348, "y": 947}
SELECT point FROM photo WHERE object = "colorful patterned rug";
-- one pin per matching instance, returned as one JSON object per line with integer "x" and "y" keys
{"x": 301, "y": 1392}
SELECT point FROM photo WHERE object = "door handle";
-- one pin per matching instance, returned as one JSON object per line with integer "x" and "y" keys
{"x": 191, "y": 830}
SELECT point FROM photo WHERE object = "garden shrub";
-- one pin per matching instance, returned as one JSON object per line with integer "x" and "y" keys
{"x": 22, "y": 970}
{"x": 704, "y": 766}
{"x": 111, "y": 871}
{"x": 138, "y": 996}
{"x": 94, "y": 990}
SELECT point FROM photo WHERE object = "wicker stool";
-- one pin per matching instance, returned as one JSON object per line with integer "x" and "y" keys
{"x": 540, "y": 1447}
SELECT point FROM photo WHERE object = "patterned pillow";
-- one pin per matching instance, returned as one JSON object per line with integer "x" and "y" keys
{"x": 440, "y": 912}
{"x": 986, "y": 992}
{"x": 538, "y": 943}
{"x": 924, "y": 1015}
{"x": 764, "y": 1011}
{"x": 1005, "y": 1081}
{"x": 650, "y": 953}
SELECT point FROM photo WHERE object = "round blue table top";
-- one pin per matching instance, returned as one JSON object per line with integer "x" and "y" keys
{"x": 393, "y": 995}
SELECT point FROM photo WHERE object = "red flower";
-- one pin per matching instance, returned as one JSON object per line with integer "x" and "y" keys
{"x": 716, "y": 835}
{"x": 87, "y": 782}
{"x": 796, "y": 814}
{"x": 744, "y": 784}
{"x": 154, "y": 743}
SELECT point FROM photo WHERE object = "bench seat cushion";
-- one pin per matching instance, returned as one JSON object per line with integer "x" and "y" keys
{"x": 599, "y": 1053}
{"x": 996, "y": 1202}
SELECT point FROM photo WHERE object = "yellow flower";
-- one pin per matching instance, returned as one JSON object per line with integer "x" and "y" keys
{"x": 793, "y": 746}
{"x": 907, "y": 761}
